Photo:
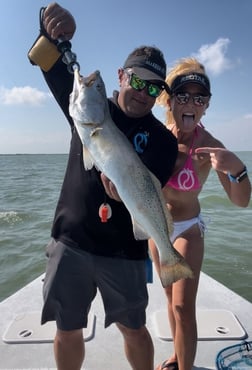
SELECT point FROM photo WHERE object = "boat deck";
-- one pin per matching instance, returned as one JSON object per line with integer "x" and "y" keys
{"x": 224, "y": 318}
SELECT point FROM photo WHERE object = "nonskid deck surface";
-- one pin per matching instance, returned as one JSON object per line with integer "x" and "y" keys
{"x": 224, "y": 318}
{"x": 212, "y": 325}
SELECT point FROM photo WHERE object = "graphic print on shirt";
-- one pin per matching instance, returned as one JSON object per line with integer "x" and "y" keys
{"x": 140, "y": 141}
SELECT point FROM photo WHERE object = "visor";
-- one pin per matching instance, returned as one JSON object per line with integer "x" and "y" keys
{"x": 195, "y": 78}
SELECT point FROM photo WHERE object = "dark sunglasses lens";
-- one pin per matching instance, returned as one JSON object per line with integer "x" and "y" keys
{"x": 137, "y": 83}
{"x": 182, "y": 98}
{"x": 154, "y": 90}
{"x": 199, "y": 100}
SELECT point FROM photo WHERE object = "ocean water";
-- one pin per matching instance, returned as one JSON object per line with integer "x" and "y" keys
{"x": 29, "y": 190}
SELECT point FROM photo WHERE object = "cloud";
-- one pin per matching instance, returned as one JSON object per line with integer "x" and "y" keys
{"x": 22, "y": 95}
{"x": 248, "y": 116}
{"x": 213, "y": 56}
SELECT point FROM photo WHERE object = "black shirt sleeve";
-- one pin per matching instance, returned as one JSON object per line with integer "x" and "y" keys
{"x": 60, "y": 82}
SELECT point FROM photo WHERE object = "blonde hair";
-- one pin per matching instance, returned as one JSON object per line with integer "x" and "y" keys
{"x": 181, "y": 67}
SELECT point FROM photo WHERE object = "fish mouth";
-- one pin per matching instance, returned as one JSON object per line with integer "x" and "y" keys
{"x": 86, "y": 81}
{"x": 90, "y": 80}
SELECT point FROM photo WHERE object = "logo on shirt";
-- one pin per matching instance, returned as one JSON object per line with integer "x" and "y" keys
{"x": 140, "y": 141}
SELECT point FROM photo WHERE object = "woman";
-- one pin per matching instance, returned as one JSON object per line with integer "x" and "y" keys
{"x": 199, "y": 151}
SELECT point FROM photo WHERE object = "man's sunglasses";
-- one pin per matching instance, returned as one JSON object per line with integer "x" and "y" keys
{"x": 184, "y": 97}
{"x": 138, "y": 84}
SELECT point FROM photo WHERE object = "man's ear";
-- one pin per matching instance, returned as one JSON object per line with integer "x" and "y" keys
{"x": 120, "y": 73}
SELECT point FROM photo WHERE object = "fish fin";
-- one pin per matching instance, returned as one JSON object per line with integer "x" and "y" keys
{"x": 139, "y": 232}
{"x": 87, "y": 159}
{"x": 96, "y": 131}
{"x": 169, "y": 219}
{"x": 171, "y": 273}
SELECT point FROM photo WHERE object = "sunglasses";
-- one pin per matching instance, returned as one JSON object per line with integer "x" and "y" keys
{"x": 138, "y": 84}
{"x": 199, "y": 100}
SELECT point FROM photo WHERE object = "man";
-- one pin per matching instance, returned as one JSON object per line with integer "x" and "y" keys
{"x": 86, "y": 254}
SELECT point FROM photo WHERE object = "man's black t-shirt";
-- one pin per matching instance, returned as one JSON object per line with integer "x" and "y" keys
{"x": 77, "y": 222}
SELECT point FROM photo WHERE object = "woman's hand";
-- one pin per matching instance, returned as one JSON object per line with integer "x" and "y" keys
{"x": 222, "y": 160}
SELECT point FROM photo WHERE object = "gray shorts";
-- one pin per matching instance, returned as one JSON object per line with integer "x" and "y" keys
{"x": 71, "y": 282}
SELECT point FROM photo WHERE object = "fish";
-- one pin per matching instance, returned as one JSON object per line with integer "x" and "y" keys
{"x": 107, "y": 149}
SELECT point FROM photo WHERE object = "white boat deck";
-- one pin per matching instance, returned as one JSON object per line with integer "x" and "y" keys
{"x": 224, "y": 318}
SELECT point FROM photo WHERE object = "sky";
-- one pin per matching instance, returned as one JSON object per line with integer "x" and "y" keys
{"x": 217, "y": 32}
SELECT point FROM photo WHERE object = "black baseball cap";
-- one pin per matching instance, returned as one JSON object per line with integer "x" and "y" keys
{"x": 148, "y": 67}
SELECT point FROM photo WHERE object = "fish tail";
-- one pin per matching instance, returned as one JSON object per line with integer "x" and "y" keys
{"x": 171, "y": 273}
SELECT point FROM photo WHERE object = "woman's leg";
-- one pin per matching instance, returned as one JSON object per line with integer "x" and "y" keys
{"x": 182, "y": 297}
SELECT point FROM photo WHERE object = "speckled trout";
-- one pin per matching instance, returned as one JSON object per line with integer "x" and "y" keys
{"x": 109, "y": 150}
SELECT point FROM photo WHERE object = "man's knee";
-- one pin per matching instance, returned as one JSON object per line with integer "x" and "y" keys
{"x": 65, "y": 336}
{"x": 131, "y": 333}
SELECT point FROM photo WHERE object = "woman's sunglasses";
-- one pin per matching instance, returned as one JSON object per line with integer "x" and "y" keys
{"x": 184, "y": 97}
{"x": 138, "y": 84}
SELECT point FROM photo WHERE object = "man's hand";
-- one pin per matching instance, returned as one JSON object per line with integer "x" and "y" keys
{"x": 110, "y": 188}
{"x": 58, "y": 22}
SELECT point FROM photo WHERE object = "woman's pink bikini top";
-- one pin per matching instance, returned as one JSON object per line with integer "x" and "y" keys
{"x": 186, "y": 179}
